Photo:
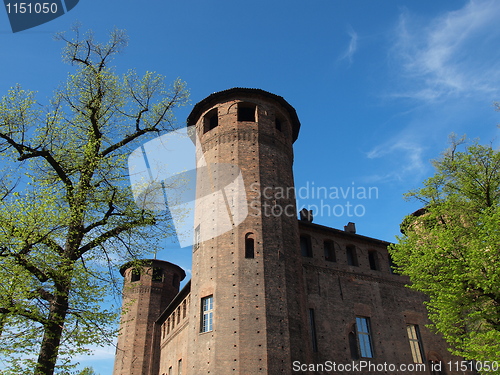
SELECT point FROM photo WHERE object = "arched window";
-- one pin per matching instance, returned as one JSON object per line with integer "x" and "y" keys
{"x": 210, "y": 120}
{"x": 249, "y": 246}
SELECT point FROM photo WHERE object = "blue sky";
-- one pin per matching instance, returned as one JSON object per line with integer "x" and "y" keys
{"x": 378, "y": 85}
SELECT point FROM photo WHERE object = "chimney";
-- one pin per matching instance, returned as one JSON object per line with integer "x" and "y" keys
{"x": 350, "y": 227}
{"x": 306, "y": 215}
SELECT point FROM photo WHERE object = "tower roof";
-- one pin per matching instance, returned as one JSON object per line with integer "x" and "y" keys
{"x": 236, "y": 92}
{"x": 152, "y": 263}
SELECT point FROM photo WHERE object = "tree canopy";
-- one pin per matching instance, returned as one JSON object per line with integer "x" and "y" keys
{"x": 450, "y": 249}
{"x": 67, "y": 214}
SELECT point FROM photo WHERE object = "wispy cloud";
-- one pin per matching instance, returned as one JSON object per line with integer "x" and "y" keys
{"x": 450, "y": 55}
{"x": 407, "y": 155}
{"x": 352, "y": 48}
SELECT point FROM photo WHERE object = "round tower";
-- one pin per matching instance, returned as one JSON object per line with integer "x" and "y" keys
{"x": 247, "y": 285}
{"x": 148, "y": 288}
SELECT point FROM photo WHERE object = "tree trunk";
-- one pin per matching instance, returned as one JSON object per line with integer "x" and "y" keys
{"x": 53, "y": 331}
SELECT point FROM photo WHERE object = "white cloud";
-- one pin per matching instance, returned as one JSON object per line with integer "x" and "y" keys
{"x": 352, "y": 48}
{"x": 407, "y": 155}
{"x": 453, "y": 55}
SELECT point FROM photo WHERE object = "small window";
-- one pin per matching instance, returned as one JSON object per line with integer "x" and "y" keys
{"x": 305, "y": 246}
{"x": 312, "y": 325}
{"x": 170, "y": 370}
{"x": 196, "y": 239}
{"x": 329, "y": 251}
{"x": 364, "y": 337}
{"x": 392, "y": 265}
{"x": 135, "y": 275}
{"x": 207, "y": 313}
{"x": 184, "y": 309}
{"x": 353, "y": 346}
{"x": 176, "y": 280}
{"x": 246, "y": 112}
{"x": 373, "y": 260}
{"x": 157, "y": 274}
{"x": 179, "y": 367}
{"x": 352, "y": 258}
{"x": 211, "y": 120}
{"x": 249, "y": 246}
{"x": 415, "y": 343}
{"x": 277, "y": 122}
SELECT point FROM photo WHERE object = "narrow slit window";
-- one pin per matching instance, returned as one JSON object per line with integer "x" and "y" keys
{"x": 176, "y": 281}
{"x": 278, "y": 123}
{"x": 249, "y": 246}
{"x": 312, "y": 324}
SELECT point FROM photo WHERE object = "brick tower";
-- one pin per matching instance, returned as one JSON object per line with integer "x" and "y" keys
{"x": 247, "y": 295}
{"x": 147, "y": 291}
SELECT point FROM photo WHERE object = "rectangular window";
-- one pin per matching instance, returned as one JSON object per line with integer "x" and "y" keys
{"x": 329, "y": 251}
{"x": 157, "y": 274}
{"x": 305, "y": 246}
{"x": 364, "y": 337}
{"x": 207, "y": 313}
{"x": 246, "y": 112}
{"x": 373, "y": 260}
{"x": 415, "y": 343}
{"x": 352, "y": 259}
{"x": 312, "y": 324}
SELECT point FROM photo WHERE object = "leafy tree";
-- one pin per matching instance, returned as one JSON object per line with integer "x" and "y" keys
{"x": 66, "y": 210}
{"x": 451, "y": 249}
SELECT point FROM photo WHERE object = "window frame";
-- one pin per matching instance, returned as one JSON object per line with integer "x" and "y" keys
{"x": 207, "y": 314}
{"x": 364, "y": 337}
{"x": 308, "y": 252}
{"x": 415, "y": 341}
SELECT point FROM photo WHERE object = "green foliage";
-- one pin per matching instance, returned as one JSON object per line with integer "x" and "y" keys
{"x": 451, "y": 249}
{"x": 67, "y": 216}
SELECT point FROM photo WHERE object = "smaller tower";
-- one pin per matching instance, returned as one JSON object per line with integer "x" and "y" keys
{"x": 147, "y": 291}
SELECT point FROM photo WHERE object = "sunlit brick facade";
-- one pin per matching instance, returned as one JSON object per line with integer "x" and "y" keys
{"x": 275, "y": 293}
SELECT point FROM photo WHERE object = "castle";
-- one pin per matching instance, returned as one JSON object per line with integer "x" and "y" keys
{"x": 274, "y": 294}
